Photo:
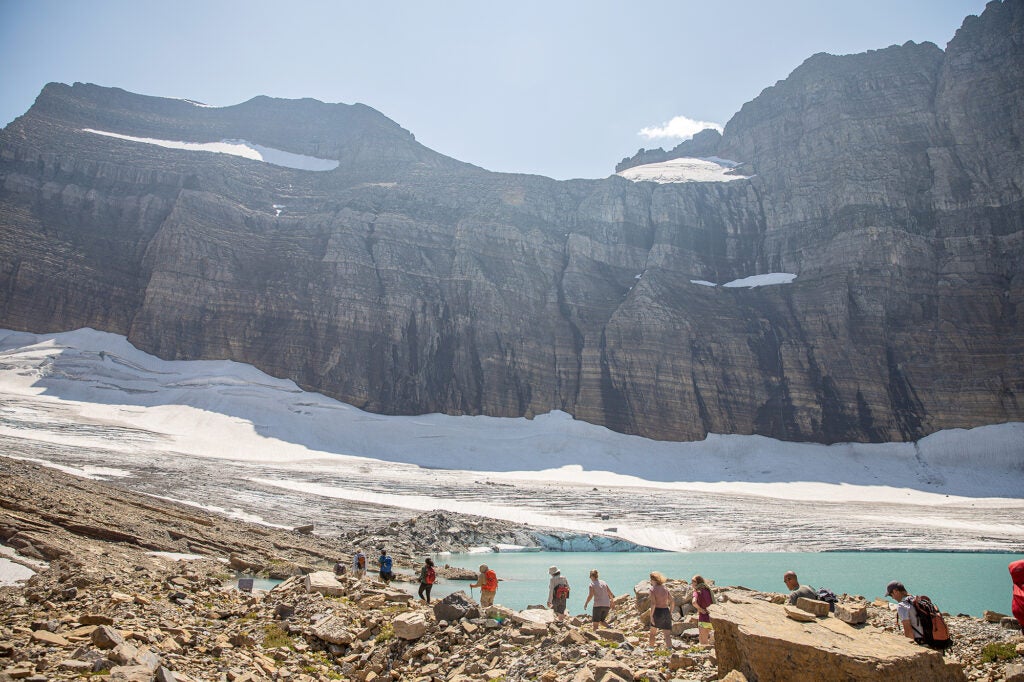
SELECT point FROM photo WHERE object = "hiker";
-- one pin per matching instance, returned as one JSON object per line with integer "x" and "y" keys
{"x": 920, "y": 619}
{"x": 602, "y": 596}
{"x": 703, "y": 597}
{"x": 906, "y": 614}
{"x": 359, "y": 564}
{"x": 796, "y": 589}
{"x": 427, "y": 577}
{"x": 558, "y": 592}
{"x": 488, "y": 584}
{"x": 662, "y": 605}
{"x": 384, "y": 561}
{"x": 1017, "y": 576}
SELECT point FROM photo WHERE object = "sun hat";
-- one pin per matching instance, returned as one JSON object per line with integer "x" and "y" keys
{"x": 553, "y": 570}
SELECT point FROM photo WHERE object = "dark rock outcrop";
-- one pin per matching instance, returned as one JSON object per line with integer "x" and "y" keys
{"x": 407, "y": 282}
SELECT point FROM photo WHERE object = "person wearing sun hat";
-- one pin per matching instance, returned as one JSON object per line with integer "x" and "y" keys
{"x": 488, "y": 584}
{"x": 558, "y": 592}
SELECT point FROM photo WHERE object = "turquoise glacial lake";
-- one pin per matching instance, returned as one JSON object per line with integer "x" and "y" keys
{"x": 968, "y": 583}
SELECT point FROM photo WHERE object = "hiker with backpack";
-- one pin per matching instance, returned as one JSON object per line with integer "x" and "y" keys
{"x": 703, "y": 597}
{"x": 920, "y": 619}
{"x": 558, "y": 592}
{"x": 384, "y": 562}
{"x": 359, "y": 564}
{"x": 488, "y": 584}
{"x": 427, "y": 578}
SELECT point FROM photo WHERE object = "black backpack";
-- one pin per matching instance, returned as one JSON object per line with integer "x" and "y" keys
{"x": 827, "y": 595}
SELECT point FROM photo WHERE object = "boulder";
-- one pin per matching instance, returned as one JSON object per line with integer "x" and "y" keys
{"x": 332, "y": 631}
{"x": 48, "y": 638}
{"x": 398, "y": 596}
{"x": 1013, "y": 673}
{"x": 734, "y": 676}
{"x": 106, "y": 637}
{"x": 325, "y": 583}
{"x": 410, "y": 626}
{"x": 993, "y": 616}
{"x": 854, "y": 613}
{"x": 815, "y": 606}
{"x": 455, "y": 607}
{"x": 611, "y": 669}
{"x": 758, "y": 640}
{"x": 799, "y": 615}
{"x": 534, "y": 617}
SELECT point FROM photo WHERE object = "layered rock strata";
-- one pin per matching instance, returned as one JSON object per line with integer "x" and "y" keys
{"x": 406, "y": 282}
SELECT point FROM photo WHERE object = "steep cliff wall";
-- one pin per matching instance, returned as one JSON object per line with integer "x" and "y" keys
{"x": 407, "y": 282}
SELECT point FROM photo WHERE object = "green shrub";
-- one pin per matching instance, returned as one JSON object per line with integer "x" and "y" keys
{"x": 998, "y": 651}
{"x": 274, "y": 637}
{"x": 386, "y": 633}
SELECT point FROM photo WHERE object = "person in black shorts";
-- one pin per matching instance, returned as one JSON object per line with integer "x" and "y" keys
{"x": 602, "y": 596}
{"x": 662, "y": 605}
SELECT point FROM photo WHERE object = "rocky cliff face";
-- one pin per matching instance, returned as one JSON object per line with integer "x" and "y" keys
{"x": 407, "y": 282}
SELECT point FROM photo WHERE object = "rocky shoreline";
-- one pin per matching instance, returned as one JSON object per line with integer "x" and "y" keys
{"x": 113, "y": 600}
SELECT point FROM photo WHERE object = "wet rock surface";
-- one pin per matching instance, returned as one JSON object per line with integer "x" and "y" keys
{"x": 105, "y": 605}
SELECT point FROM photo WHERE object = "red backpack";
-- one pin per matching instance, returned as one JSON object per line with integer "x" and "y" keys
{"x": 431, "y": 575}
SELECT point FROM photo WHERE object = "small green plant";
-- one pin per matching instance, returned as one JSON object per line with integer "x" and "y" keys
{"x": 274, "y": 637}
{"x": 386, "y": 633}
{"x": 695, "y": 649}
{"x": 998, "y": 651}
{"x": 608, "y": 644}
{"x": 662, "y": 652}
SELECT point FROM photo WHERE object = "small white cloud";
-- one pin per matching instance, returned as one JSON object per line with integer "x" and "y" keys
{"x": 680, "y": 127}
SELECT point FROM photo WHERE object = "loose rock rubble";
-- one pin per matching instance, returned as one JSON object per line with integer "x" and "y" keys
{"x": 106, "y": 605}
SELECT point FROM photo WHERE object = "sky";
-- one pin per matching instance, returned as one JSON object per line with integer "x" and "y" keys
{"x": 561, "y": 89}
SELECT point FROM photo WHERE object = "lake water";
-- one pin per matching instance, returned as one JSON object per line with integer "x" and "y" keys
{"x": 958, "y": 582}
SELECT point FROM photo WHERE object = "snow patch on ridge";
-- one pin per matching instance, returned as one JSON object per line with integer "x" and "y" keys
{"x": 752, "y": 282}
{"x": 242, "y": 148}
{"x": 708, "y": 169}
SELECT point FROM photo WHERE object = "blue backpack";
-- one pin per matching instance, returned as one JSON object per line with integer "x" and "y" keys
{"x": 385, "y": 564}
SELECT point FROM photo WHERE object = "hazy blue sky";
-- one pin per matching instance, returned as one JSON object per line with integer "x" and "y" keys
{"x": 556, "y": 88}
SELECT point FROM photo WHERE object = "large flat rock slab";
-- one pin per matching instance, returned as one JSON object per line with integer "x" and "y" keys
{"x": 759, "y": 640}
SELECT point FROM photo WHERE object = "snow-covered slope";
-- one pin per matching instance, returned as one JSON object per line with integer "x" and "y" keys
{"x": 79, "y": 388}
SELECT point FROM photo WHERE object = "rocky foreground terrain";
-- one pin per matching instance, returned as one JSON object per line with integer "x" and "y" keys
{"x": 106, "y": 604}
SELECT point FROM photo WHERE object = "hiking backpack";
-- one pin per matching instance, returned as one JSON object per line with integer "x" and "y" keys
{"x": 828, "y": 596}
{"x": 933, "y": 625}
{"x": 385, "y": 564}
{"x": 361, "y": 561}
{"x": 562, "y": 591}
{"x": 431, "y": 575}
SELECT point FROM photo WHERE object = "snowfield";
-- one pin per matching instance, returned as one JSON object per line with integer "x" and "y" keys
{"x": 711, "y": 169}
{"x": 242, "y": 148}
{"x": 225, "y": 436}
